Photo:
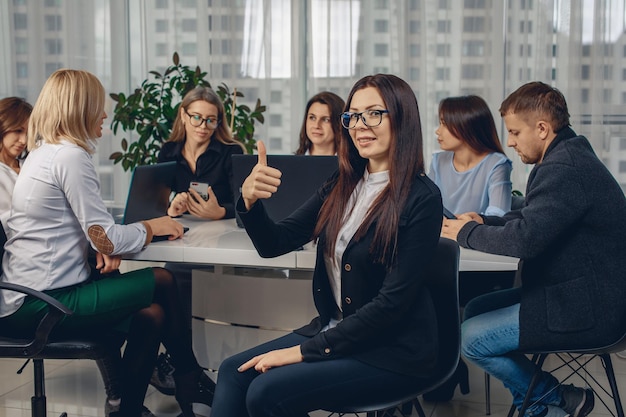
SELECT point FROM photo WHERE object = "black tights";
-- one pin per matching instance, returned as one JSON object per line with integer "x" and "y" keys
{"x": 163, "y": 321}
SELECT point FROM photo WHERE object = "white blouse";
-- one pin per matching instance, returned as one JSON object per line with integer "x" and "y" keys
{"x": 8, "y": 176}
{"x": 56, "y": 200}
{"x": 357, "y": 209}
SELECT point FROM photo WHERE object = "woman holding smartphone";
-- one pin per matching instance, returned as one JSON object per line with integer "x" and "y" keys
{"x": 201, "y": 143}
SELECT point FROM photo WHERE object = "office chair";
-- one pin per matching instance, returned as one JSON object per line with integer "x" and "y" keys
{"x": 442, "y": 282}
{"x": 575, "y": 361}
{"x": 41, "y": 346}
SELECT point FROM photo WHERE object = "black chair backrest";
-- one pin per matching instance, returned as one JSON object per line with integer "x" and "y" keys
{"x": 443, "y": 283}
{"x": 3, "y": 240}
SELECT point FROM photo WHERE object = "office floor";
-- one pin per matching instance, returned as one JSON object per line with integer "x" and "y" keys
{"x": 76, "y": 387}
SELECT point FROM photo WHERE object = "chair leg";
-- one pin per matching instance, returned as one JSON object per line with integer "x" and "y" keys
{"x": 418, "y": 407}
{"x": 610, "y": 375}
{"x": 533, "y": 383}
{"x": 38, "y": 401}
{"x": 487, "y": 394}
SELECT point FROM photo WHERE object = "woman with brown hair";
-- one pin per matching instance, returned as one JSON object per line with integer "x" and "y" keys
{"x": 321, "y": 128}
{"x": 14, "y": 114}
{"x": 377, "y": 224}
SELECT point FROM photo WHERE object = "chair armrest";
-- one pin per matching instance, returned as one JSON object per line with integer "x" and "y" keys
{"x": 56, "y": 312}
{"x": 52, "y": 302}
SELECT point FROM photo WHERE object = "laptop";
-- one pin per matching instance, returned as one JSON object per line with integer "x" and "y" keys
{"x": 149, "y": 193}
{"x": 302, "y": 176}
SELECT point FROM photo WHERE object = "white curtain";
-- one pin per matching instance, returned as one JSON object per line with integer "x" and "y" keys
{"x": 284, "y": 51}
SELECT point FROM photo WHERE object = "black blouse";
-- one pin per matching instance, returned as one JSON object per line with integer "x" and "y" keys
{"x": 214, "y": 167}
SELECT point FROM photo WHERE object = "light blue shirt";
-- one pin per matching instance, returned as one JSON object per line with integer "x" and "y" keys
{"x": 484, "y": 189}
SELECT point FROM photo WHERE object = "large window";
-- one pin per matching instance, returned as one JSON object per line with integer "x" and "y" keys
{"x": 285, "y": 51}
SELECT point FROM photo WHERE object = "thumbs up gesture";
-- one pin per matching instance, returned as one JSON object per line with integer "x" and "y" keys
{"x": 262, "y": 182}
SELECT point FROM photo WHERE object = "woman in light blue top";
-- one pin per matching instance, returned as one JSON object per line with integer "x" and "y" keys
{"x": 472, "y": 172}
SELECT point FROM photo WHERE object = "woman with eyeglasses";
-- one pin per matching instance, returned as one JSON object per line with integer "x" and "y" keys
{"x": 201, "y": 143}
{"x": 377, "y": 224}
{"x": 321, "y": 128}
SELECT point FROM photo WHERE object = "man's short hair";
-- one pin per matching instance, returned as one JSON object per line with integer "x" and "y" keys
{"x": 537, "y": 100}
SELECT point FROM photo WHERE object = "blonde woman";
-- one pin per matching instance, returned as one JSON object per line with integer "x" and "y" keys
{"x": 201, "y": 143}
{"x": 57, "y": 213}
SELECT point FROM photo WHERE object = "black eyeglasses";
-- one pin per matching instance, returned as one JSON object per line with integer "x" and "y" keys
{"x": 197, "y": 121}
{"x": 370, "y": 118}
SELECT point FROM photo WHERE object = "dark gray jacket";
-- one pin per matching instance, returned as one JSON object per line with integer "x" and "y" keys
{"x": 570, "y": 235}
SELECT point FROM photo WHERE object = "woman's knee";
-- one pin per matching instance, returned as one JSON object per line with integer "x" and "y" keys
{"x": 229, "y": 366}
{"x": 151, "y": 317}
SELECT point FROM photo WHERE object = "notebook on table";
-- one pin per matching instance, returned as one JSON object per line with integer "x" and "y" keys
{"x": 149, "y": 193}
{"x": 302, "y": 176}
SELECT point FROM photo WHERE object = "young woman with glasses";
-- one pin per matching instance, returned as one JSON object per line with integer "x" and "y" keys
{"x": 377, "y": 224}
{"x": 201, "y": 143}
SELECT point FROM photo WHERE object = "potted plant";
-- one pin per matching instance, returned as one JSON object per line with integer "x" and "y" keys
{"x": 150, "y": 111}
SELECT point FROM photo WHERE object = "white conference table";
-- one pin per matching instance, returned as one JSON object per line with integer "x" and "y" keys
{"x": 222, "y": 242}
{"x": 240, "y": 299}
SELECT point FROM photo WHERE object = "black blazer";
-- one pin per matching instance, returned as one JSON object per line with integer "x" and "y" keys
{"x": 388, "y": 315}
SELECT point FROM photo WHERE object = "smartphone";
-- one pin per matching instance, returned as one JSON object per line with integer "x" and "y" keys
{"x": 448, "y": 214}
{"x": 201, "y": 188}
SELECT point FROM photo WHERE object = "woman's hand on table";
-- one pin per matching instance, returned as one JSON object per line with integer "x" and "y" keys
{"x": 209, "y": 209}
{"x": 178, "y": 206}
{"x": 166, "y": 226}
{"x": 262, "y": 182}
{"x": 275, "y": 358}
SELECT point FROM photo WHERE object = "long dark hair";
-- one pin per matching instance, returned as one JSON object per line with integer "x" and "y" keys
{"x": 469, "y": 119}
{"x": 406, "y": 162}
{"x": 335, "y": 106}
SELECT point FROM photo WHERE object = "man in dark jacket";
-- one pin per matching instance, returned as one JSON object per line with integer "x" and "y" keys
{"x": 569, "y": 236}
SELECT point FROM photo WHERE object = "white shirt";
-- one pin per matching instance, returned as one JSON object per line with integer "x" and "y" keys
{"x": 8, "y": 176}
{"x": 55, "y": 200}
{"x": 357, "y": 209}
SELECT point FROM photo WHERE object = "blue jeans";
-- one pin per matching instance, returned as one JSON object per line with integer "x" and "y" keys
{"x": 294, "y": 390}
{"x": 490, "y": 339}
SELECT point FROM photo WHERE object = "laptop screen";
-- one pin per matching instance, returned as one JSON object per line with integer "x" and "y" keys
{"x": 149, "y": 192}
{"x": 302, "y": 176}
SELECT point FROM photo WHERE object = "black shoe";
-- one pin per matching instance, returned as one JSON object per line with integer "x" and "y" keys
{"x": 114, "y": 411}
{"x": 445, "y": 391}
{"x": 193, "y": 387}
{"x": 577, "y": 402}
{"x": 163, "y": 375}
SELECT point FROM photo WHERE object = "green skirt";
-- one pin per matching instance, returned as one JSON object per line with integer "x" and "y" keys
{"x": 99, "y": 304}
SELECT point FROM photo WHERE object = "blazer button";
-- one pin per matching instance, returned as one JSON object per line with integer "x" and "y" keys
{"x": 327, "y": 351}
{"x": 347, "y": 267}
{"x": 348, "y": 300}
